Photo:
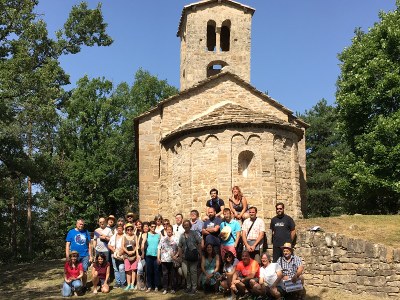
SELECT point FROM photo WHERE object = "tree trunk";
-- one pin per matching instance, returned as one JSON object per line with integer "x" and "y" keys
{"x": 29, "y": 198}
{"x": 13, "y": 231}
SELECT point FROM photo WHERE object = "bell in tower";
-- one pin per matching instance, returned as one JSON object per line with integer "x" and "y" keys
{"x": 215, "y": 36}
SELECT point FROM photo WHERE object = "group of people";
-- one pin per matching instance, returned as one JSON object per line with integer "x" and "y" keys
{"x": 221, "y": 252}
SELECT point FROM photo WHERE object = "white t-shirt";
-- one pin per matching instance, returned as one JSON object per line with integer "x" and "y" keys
{"x": 178, "y": 230}
{"x": 269, "y": 273}
{"x": 100, "y": 245}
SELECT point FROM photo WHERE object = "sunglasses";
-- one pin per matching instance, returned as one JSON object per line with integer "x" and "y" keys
{"x": 153, "y": 226}
{"x": 129, "y": 229}
{"x": 74, "y": 255}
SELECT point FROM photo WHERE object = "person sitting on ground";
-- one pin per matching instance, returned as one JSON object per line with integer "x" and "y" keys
{"x": 292, "y": 266}
{"x": 246, "y": 270}
{"x": 73, "y": 272}
{"x": 230, "y": 262}
{"x": 209, "y": 268}
{"x": 100, "y": 273}
{"x": 238, "y": 204}
{"x": 270, "y": 279}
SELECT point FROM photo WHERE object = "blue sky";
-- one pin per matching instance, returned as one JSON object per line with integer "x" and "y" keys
{"x": 294, "y": 43}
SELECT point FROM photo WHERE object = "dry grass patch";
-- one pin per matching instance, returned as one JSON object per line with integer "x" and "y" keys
{"x": 377, "y": 229}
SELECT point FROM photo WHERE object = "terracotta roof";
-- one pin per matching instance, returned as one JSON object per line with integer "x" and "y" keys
{"x": 236, "y": 115}
{"x": 205, "y": 2}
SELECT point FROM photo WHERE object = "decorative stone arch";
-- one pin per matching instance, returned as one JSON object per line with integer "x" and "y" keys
{"x": 215, "y": 67}
{"x": 195, "y": 141}
{"x": 210, "y": 138}
{"x": 253, "y": 137}
{"x": 211, "y": 35}
{"x": 225, "y": 36}
{"x": 244, "y": 160}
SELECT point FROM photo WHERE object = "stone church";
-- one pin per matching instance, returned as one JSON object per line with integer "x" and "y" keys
{"x": 218, "y": 131}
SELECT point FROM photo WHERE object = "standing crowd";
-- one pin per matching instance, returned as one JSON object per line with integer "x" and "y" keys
{"x": 222, "y": 252}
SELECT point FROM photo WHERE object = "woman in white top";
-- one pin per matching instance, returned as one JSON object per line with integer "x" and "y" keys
{"x": 270, "y": 278}
{"x": 115, "y": 245}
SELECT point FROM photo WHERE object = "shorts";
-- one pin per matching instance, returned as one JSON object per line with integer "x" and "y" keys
{"x": 224, "y": 249}
{"x": 85, "y": 262}
{"x": 130, "y": 265}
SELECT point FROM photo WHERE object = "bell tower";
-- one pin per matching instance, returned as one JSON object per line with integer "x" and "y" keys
{"x": 215, "y": 36}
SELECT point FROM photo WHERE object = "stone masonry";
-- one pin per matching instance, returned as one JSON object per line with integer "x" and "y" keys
{"x": 337, "y": 261}
{"x": 219, "y": 131}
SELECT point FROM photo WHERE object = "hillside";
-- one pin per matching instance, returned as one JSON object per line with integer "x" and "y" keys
{"x": 380, "y": 229}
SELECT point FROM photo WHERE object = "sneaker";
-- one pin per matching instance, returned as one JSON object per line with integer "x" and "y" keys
{"x": 127, "y": 287}
{"x": 148, "y": 290}
{"x": 156, "y": 289}
{"x": 164, "y": 292}
{"x": 136, "y": 287}
{"x": 117, "y": 286}
{"x": 133, "y": 287}
{"x": 173, "y": 292}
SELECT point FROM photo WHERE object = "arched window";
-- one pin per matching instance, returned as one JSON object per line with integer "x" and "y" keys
{"x": 225, "y": 37}
{"x": 211, "y": 35}
{"x": 244, "y": 160}
{"x": 215, "y": 67}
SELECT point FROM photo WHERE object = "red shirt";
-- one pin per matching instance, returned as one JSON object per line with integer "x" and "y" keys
{"x": 250, "y": 268}
{"x": 72, "y": 272}
{"x": 101, "y": 270}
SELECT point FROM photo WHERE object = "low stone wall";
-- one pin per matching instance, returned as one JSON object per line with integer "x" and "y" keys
{"x": 336, "y": 261}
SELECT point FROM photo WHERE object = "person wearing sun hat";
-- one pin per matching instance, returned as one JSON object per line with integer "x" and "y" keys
{"x": 292, "y": 266}
{"x": 131, "y": 217}
{"x": 73, "y": 272}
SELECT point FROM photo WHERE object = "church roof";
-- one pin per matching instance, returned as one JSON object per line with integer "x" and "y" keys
{"x": 236, "y": 78}
{"x": 232, "y": 114}
{"x": 205, "y": 2}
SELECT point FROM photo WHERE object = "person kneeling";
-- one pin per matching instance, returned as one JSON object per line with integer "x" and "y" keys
{"x": 73, "y": 272}
{"x": 100, "y": 273}
{"x": 270, "y": 279}
{"x": 292, "y": 269}
{"x": 246, "y": 275}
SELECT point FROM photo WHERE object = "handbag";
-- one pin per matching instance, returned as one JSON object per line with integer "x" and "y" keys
{"x": 191, "y": 255}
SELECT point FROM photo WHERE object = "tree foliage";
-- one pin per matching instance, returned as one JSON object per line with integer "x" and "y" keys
{"x": 31, "y": 85}
{"x": 368, "y": 98}
{"x": 322, "y": 140}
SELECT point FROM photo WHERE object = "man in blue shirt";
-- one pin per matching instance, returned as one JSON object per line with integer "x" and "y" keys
{"x": 78, "y": 239}
{"x": 230, "y": 238}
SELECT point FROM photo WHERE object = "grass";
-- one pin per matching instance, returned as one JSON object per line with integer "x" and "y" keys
{"x": 382, "y": 229}
{"x": 42, "y": 280}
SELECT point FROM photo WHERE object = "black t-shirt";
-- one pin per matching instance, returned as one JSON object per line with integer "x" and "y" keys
{"x": 216, "y": 203}
{"x": 281, "y": 228}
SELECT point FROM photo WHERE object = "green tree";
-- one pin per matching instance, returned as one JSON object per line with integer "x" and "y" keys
{"x": 322, "y": 141}
{"x": 97, "y": 144}
{"x": 368, "y": 98}
{"x": 31, "y": 82}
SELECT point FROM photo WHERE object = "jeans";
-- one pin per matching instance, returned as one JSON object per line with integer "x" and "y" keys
{"x": 152, "y": 272}
{"x": 67, "y": 287}
{"x": 119, "y": 271}
{"x": 189, "y": 269}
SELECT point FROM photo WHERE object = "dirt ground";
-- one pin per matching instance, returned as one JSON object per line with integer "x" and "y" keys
{"x": 43, "y": 281}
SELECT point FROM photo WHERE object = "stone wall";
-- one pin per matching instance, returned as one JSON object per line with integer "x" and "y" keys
{"x": 336, "y": 261}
